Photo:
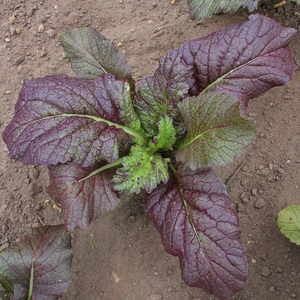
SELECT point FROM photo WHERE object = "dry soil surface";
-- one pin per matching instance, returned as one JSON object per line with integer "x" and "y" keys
{"x": 120, "y": 257}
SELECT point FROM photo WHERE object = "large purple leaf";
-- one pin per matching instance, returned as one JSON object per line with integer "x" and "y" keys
{"x": 47, "y": 251}
{"x": 216, "y": 133}
{"x": 92, "y": 55}
{"x": 60, "y": 119}
{"x": 206, "y": 8}
{"x": 248, "y": 58}
{"x": 85, "y": 194}
{"x": 161, "y": 93}
{"x": 192, "y": 212}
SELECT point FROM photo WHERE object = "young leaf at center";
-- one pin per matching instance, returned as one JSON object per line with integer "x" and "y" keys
{"x": 216, "y": 133}
{"x": 166, "y": 137}
{"x": 142, "y": 169}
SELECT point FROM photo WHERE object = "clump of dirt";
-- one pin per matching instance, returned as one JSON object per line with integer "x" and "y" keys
{"x": 129, "y": 261}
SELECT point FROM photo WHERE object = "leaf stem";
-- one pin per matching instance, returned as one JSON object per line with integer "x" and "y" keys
{"x": 222, "y": 78}
{"x": 108, "y": 166}
{"x": 97, "y": 119}
{"x": 31, "y": 282}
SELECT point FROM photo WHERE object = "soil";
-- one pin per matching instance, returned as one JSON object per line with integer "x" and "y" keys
{"x": 120, "y": 257}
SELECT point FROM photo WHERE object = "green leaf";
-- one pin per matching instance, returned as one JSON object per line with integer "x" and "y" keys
{"x": 92, "y": 55}
{"x": 161, "y": 93}
{"x": 206, "y": 8}
{"x": 216, "y": 133}
{"x": 142, "y": 169}
{"x": 289, "y": 223}
{"x": 7, "y": 284}
{"x": 166, "y": 137}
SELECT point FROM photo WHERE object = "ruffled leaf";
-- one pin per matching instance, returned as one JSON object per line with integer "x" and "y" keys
{"x": 289, "y": 223}
{"x": 142, "y": 169}
{"x": 247, "y": 59}
{"x": 161, "y": 93}
{"x": 216, "y": 133}
{"x": 166, "y": 137}
{"x": 92, "y": 55}
{"x": 60, "y": 119}
{"x": 85, "y": 194}
{"x": 46, "y": 254}
{"x": 193, "y": 214}
{"x": 206, "y": 8}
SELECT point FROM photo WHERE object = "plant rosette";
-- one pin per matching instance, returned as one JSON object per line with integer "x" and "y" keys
{"x": 102, "y": 139}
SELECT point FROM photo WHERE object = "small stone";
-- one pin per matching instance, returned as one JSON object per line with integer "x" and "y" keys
{"x": 64, "y": 55}
{"x": 254, "y": 191}
{"x": 7, "y": 92}
{"x": 252, "y": 115}
{"x": 260, "y": 203}
{"x": 27, "y": 180}
{"x": 200, "y": 22}
{"x": 120, "y": 44}
{"x": 34, "y": 173}
{"x": 43, "y": 53}
{"x": 245, "y": 168}
{"x": 270, "y": 166}
{"x": 155, "y": 273}
{"x": 280, "y": 171}
{"x": 51, "y": 33}
{"x": 19, "y": 60}
{"x": 265, "y": 272}
{"x": 287, "y": 97}
{"x": 265, "y": 172}
{"x": 12, "y": 31}
{"x": 156, "y": 297}
{"x": 279, "y": 270}
{"x": 132, "y": 218}
{"x": 18, "y": 31}
{"x": 7, "y": 40}
{"x": 160, "y": 33}
{"x": 240, "y": 207}
{"x": 243, "y": 194}
{"x": 169, "y": 289}
{"x": 285, "y": 256}
{"x": 4, "y": 229}
{"x": 57, "y": 208}
{"x": 294, "y": 295}
{"x": 170, "y": 272}
{"x": 245, "y": 200}
{"x": 12, "y": 19}
{"x": 41, "y": 28}
{"x": 272, "y": 289}
{"x": 244, "y": 182}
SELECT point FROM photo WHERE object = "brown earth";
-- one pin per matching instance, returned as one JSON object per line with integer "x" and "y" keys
{"x": 120, "y": 257}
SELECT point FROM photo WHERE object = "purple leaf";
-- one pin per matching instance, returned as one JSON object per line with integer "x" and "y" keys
{"x": 160, "y": 94}
{"x": 193, "y": 214}
{"x": 216, "y": 133}
{"x": 48, "y": 250}
{"x": 92, "y": 55}
{"x": 248, "y": 58}
{"x": 85, "y": 194}
{"x": 61, "y": 119}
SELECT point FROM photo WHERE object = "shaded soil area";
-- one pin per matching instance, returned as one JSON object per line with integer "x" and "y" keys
{"x": 120, "y": 257}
